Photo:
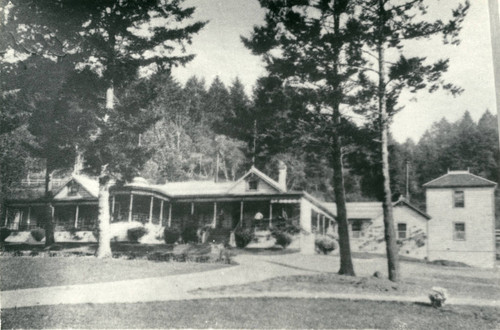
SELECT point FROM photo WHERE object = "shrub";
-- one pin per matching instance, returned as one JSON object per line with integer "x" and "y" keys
{"x": 38, "y": 234}
{"x": 190, "y": 234}
{"x": 4, "y": 233}
{"x": 282, "y": 238}
{"x": 95, "y": 232}
{"x": 225, "y": 256}
{"x": 438, "y": 296}
{"x": 160, "y": 256}
{"x": 171, "y": 235}
{"x": 243, "y": 237}
{"x": 325, "y": 244}
{"x": 134, "y": 234}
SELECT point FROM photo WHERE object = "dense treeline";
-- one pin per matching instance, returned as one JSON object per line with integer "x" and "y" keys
{"x": 197, "y": 125}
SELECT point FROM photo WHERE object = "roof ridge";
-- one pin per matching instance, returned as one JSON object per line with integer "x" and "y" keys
{"x": 442, "y": 176}
{"x": 261, "y": 174}
{"x": 480, "y": 177}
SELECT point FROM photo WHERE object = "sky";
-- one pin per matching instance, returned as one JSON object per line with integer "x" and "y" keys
{"x": 220, "y": 52}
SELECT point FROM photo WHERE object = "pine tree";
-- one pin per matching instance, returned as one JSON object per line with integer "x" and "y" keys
{"x": 314, "y": 47}
{"x": 118, "y": 40}
{"x": 386, "y": 25}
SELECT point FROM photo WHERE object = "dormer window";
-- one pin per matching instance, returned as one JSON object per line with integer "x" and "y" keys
{"x": 73, "y": 189}
{"x": 458, "y": 198}
{"x": 253, "y": 184}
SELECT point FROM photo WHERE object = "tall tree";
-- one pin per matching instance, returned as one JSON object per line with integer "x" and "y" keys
{"x": 387, "y": 26}
{"x": 314, "y": 46}
{"x": 118, "y": 40}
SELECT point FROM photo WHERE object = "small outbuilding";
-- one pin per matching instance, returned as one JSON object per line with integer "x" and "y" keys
{"x": 462, "y": 206}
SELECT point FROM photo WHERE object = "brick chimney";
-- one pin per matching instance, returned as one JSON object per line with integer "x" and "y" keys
{"x": 282, "y": 175}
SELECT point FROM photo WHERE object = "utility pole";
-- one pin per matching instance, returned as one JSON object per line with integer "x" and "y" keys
{"x": 407, "y": 180}
{"x": 495, "y": 47}
{"x": 254, "y": 141}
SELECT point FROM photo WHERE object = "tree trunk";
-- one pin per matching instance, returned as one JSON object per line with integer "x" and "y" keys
{"x": 389, "y": 233}
{"x": 216, "y": 174}
{"x": 48, "y": 214}
{"x": 104, "y": 239}
{"x": 346, "y": 265}
{"x": 224, "y": 169}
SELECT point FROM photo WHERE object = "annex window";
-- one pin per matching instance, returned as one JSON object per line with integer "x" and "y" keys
{"x": 459, "y": 231}
{"x": 73, "y": 189}
{"x": 458, "y": 198}
{"x": 253, "y": 184}
{"x": 356, "y": 228}
{"x": 402, "y": 233}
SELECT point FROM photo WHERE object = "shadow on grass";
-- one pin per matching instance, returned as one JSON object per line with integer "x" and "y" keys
{"x": 275, "y": 250}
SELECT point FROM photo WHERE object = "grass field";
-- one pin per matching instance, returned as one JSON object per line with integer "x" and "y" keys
{"x": 254, "y": 313}
{"x": 466, "y": 288}
{"x": 34, "y": 272}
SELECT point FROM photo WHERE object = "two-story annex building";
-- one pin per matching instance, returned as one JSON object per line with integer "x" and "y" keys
{"x": 462, "y": 228}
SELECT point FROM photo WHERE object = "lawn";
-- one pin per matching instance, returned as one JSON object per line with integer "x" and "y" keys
{"x": 482, "y": 289}
{"x": 254, "y": 313}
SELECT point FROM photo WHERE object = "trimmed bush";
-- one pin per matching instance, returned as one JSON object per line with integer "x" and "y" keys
{"x": 171, "y": 235}
{"x": 282, "y": 238}
{"x": 4, "y": 233}
{"x": 190, "y": 234}
{"x": 325, "y": 244}
{"x": 38, "y": 234}
{"x": 243, "y": 237}
{"x": 134, "y": 234}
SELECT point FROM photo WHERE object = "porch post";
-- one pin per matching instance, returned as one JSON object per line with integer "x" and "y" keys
{"x": 169, "y": 214}
{"x": 6, "y": 216}
{"x": 130, "y": 207}
{"x": 214, "y": 223}
{"x": 76, "y": 215}
{"x": 161, "y": 212}
{"x": 241, "y": 210}
{"x": 29, "y": 217}
{"x": 270, "y": 213}
{"x": 113, "y": 208}
{"x": 192, "y": 208}
{"x": 151, "y": 210}
{"x": 318, "y": 221}
{"x": 324, "y": 225}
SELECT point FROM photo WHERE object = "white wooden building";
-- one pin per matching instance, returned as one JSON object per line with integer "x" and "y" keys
{"x": 462, "y": 207}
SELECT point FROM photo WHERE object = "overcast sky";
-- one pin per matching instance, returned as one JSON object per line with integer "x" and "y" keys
{"x": 219, "y": 52}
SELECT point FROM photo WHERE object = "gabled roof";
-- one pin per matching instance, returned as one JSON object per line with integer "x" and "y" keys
{"x": 455, "y": 179}
{"x": 202, "y": 187}
{"x": 413, "y": 207}
{"x": 371, "y": 210}
{"x": 90, "y": 185}
{"x": 264, "y": 177}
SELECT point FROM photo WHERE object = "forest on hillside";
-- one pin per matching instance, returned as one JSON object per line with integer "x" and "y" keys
{"x": 199, "y": 124}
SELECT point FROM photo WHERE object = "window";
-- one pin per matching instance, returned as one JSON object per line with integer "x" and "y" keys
{"x": 73, "y": 189}
{"x": 459, "y": 231}
{"x": 253, "y": 184}
{"x": 356, "y": 227}
{"x": 402, "y": 231}
{"x": 458, "y": 198}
